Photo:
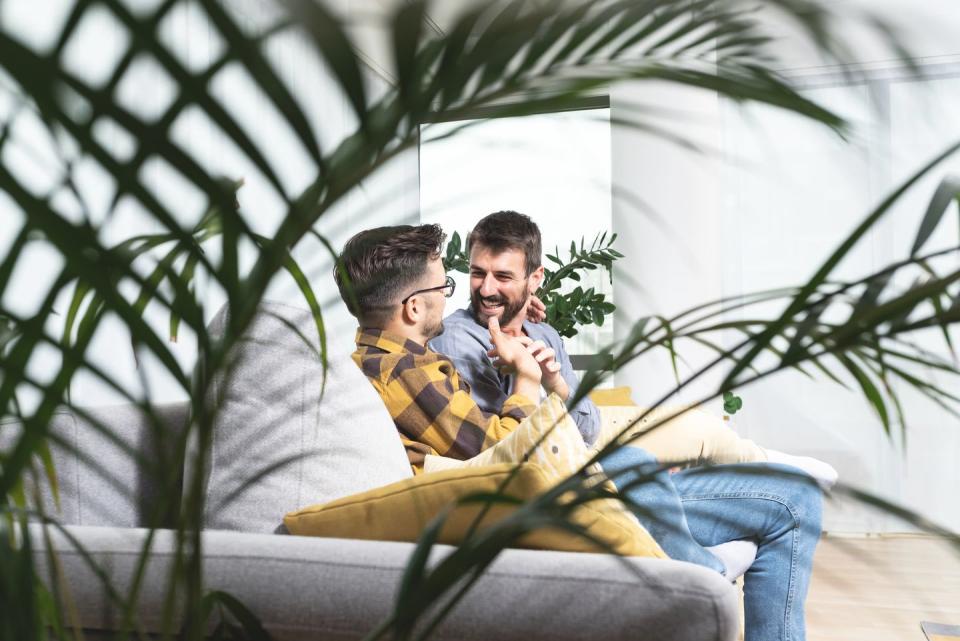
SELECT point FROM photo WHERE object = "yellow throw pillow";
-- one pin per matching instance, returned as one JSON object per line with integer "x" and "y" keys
{"x": 611, "y": 396}
{"x": 400, "y": 512}
{"x": 549, "y": 438}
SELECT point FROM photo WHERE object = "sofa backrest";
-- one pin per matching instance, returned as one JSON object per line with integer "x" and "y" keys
{"x": 99, "y": 455}
{"x": 273, "y": 420}
{"x": 311, "y": 446}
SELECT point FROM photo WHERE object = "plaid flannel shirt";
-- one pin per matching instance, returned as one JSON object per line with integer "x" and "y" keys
{"x": 429, "y": 402}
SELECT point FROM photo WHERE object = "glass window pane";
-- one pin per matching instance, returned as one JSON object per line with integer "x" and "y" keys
{"x": 553, "y": 167}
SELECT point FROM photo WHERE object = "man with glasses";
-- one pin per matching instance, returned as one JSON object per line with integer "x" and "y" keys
{"x": 388, "y": 277}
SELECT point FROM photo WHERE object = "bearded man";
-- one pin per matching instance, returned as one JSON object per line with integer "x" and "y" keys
{"x": 505, "y": 272}
{"x": 718, "y": 517}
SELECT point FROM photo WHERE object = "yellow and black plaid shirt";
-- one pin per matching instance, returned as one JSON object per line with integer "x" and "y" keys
{"x": 429, "y": 402}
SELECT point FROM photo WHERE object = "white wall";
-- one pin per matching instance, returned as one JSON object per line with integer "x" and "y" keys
{"x": 764, "y": 211}
{"x": 665, "y": 210}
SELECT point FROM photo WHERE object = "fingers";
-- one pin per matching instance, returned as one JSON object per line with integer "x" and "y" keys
{"x": 545, "y": 355}
{"x": 541, "y": 353}
{"x": 525, "y": 340}
{"x": 494, "y": 326}
{"x": 535, "y": 346}
{"x": 553, "y": 367}
{"x": 536, "y": 310}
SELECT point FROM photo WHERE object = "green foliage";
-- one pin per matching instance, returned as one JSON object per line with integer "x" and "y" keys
{"x": 20, "y": 594}
{"x": 731, "y": 403}
{"x": 456, "y": 259}
{"x": 234, "y": 620}
{"x": 9, "y": 332}
{"x": 579, "y": 306}
{"x": 566, "y": 311}
{"x": 507, "y": 58}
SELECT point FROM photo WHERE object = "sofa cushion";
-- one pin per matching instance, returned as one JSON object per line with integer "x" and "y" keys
{"x": 341, "y": 589}
{"x": 607, "y": 396}
{"x": 274, "y": 420}
{"x": 401, "y": 511}
{"x": 549, "y": 438}
{"x": 678, "y": 434}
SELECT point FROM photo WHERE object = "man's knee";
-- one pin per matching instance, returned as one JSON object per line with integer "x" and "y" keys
{"x": 799, "y": 493}
{"x": 629, "y": 458}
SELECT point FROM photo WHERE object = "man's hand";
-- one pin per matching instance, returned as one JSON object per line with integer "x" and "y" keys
{"x": 536, "y": 310}
{"x": 546, "y": 357}
{"x": 511, "y": 354}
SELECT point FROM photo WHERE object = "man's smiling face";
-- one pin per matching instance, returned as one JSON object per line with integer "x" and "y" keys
{"x": 498, "y": 284}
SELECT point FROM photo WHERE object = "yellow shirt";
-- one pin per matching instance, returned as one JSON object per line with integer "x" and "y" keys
{"x": 429, "y": 402}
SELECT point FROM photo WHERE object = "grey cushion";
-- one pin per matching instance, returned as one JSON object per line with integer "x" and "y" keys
{"x": 99, "y": 478}
{"x": 273, "y": 419}
{"x": 336, "y": 589}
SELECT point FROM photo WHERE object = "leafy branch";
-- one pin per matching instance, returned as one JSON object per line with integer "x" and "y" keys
{"x": 578, "y": 306}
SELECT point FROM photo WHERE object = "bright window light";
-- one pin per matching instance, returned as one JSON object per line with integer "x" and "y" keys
{"x": 554, "y": 167}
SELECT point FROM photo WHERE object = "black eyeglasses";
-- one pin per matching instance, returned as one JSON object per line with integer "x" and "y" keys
{"x": 447, "y": 289}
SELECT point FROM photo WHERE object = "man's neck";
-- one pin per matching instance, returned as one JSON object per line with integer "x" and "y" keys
{"x": 410, "y": 333}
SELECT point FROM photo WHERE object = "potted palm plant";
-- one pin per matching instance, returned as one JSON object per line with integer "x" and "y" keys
{"x": 501, "y": 59}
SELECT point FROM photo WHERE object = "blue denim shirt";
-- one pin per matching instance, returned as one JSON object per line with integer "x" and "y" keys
{"x": 466, "y": 343}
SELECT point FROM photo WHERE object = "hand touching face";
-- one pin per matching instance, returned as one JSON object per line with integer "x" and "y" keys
{"x": 511, "y": 354}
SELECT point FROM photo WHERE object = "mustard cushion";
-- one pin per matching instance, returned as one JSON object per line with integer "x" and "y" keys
{"x": 400, "y": 512}
{"x": 611, "y": 396}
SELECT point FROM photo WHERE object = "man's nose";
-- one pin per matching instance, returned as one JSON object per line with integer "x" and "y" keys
{"x": 489, "y": 286}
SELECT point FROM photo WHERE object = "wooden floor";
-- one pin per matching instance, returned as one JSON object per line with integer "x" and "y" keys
{"x": 879, "y": 588}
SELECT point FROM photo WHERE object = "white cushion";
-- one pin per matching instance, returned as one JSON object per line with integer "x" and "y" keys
{"x": 272, "y": 418}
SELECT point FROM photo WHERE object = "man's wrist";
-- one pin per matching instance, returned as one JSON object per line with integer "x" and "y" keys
{"x": 530, "y": 375}
{"x": 558, "y": 387}
{"x": 528, "y": 387}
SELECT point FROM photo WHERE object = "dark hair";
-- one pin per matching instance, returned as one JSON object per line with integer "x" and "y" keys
{"x": 509, "y": 230}
{"x": 377, "y": 265}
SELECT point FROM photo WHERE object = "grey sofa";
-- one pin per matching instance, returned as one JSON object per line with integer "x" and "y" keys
{"x": 315, "y": 588}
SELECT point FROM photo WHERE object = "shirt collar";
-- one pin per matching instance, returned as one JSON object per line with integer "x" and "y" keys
{"x": 388, "y": 341}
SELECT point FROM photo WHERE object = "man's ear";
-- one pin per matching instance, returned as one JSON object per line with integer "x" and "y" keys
{"x": 410, "y": 312}
{"x": 535, "y": 279}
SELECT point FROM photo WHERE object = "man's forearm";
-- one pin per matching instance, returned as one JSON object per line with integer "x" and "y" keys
{"x": 560, "y": 388}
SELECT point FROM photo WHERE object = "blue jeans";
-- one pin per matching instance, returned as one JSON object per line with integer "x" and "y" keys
{"x": 776, "y": 506}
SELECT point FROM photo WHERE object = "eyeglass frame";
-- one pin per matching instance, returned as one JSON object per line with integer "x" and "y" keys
{"x": 452, "y": 284}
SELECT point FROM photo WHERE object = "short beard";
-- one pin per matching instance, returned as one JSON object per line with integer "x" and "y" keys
{"x": 509, "y": 311}
{"x": 433, "y": 332}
